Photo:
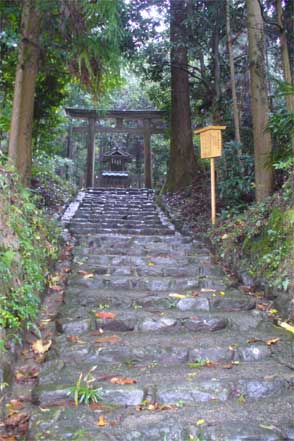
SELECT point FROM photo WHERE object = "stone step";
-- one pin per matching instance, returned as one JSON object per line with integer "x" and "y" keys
{"x": 165, "y": 386}
{"x": 116, "y": 224}
{"x": 122, "y": 231}
{"x": 247, "y": 421}
{"x": 205, "y": 265}
{"x": 163, "y": 349}
{"x": 159, "y": 301}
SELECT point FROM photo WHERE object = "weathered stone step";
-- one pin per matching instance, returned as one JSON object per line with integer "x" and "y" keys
{"x": 248, "y": 422}
{"x": 116, "y": 224}
{"x": 206, "y": 301}
{"x": 129, "y": 231}
{"x": 150, "y": 283}
{"x": 141, "y": 261}
{"x": 139, "y": 349}
{"x": 169, "y": 387}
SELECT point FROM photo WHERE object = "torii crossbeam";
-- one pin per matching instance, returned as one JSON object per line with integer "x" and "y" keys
{"x": 148, "y": 122}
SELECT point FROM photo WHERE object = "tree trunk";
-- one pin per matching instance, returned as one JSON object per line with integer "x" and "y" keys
{"x": 259, "y": 102}
{"x": 285, "y": 54}
{"x": 233, "y": 76}
{"x": 216, "y": 106}
{"x": 20, "y": 141}
{"x": 182, "y": 161}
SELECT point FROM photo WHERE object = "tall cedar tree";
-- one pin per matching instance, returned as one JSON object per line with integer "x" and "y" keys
{"x": 182, "y": 161}
{"x": 20, "y": 141}
{"x": 259, "y": 102}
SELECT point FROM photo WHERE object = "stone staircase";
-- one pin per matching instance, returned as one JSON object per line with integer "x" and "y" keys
{"x": 146, "y": 304}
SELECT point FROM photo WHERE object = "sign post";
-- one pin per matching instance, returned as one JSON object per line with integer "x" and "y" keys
{"x": 211, "y": 147}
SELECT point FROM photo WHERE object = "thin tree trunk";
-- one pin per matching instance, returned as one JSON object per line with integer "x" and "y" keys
{"x": 182, "y": 159}
{"x": 285, "y": 54}
{"x": 259, "y": 102}
{"x": 233, "y": 76}
{"x": 217, "y": 76}
{"x": 20, "y": 141}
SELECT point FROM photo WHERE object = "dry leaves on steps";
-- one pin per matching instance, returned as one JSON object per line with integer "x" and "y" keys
{"x": 121, "y": 380}
{"x": 105, "y": 315}
{"x": 40, "y": 346}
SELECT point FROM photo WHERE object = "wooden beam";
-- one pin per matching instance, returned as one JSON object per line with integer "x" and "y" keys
{"x": 131, "y": 130}
{"x": 147, "y": 155}
{"x": 90, "y": 153}
{"x": 113, "y": 114}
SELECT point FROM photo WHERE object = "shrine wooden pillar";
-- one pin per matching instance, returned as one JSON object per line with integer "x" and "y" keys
{"x": 147, "y": 155}
{"x": 90, "y": 179}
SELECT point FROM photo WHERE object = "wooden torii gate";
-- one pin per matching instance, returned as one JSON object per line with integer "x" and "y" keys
{"x": 147, "y": 123}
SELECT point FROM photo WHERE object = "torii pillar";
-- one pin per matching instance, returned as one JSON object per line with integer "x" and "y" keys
{"x": 147, "y": 154}
{"x": 91, "y": 153}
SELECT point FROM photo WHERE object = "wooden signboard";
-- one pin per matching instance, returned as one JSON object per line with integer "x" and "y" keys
{"x": 210, "y": 141}
{"x": 211, "y": 147}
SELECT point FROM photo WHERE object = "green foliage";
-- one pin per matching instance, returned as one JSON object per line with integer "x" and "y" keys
{"x": 27, "y": 246}
{"x": 281, "y": 126}
{"x": 83, "y": 391}
{"x": 235, "y": 176}
{"x": 259, "y": 241}
{"x": 49, "y": 179}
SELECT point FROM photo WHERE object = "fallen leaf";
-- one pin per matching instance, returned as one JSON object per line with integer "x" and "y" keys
{"x": 273, "y": 311}
{"x": 151, "y": 264}
{"x": 109, "y": 339}
{"x": 175, "y": 295}
{"x": 200, "y": 422}
{"x": 255, "y": 340}
{"x": 208, "y": 290}
{"x": 105, "y": 315}
{"x": 273, "y": 341}
{"x": 118, "y": 380}
{"x": 74, "y": 339}
{"x": 40, "y": 347}
{"x": 88, "y": 276}
{"x": 261, "y": 306}
{"x": 236, "y": 362}
{"x": 221, "y": 293}
{"x": 16, "y": 419}
{"x": 26, "y": 374}
{"x": 286, "y": 326}
{"x": 102, "y": 421}
{"x": 227, "y": 366}
{"x": 211, "y": 364}
{"x": 195, "y": 294}
{"x": 264, "y": 426}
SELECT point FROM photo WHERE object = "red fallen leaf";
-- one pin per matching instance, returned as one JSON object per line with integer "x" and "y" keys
{"x": 15, "y": 404}
{"x": 26, "y": 374}
{"x": 74, "y": 339}
{"x": 227, "y": 366}
{"x": 117, "y": 380}
{"x": 195, "y": 294}
{"x": 261, "y": 306}
{"x": 16, "y": 419}
{"x": 105, "y": 315}
{"x": 108, "y": 339}
{"x": 211, "y": 364}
